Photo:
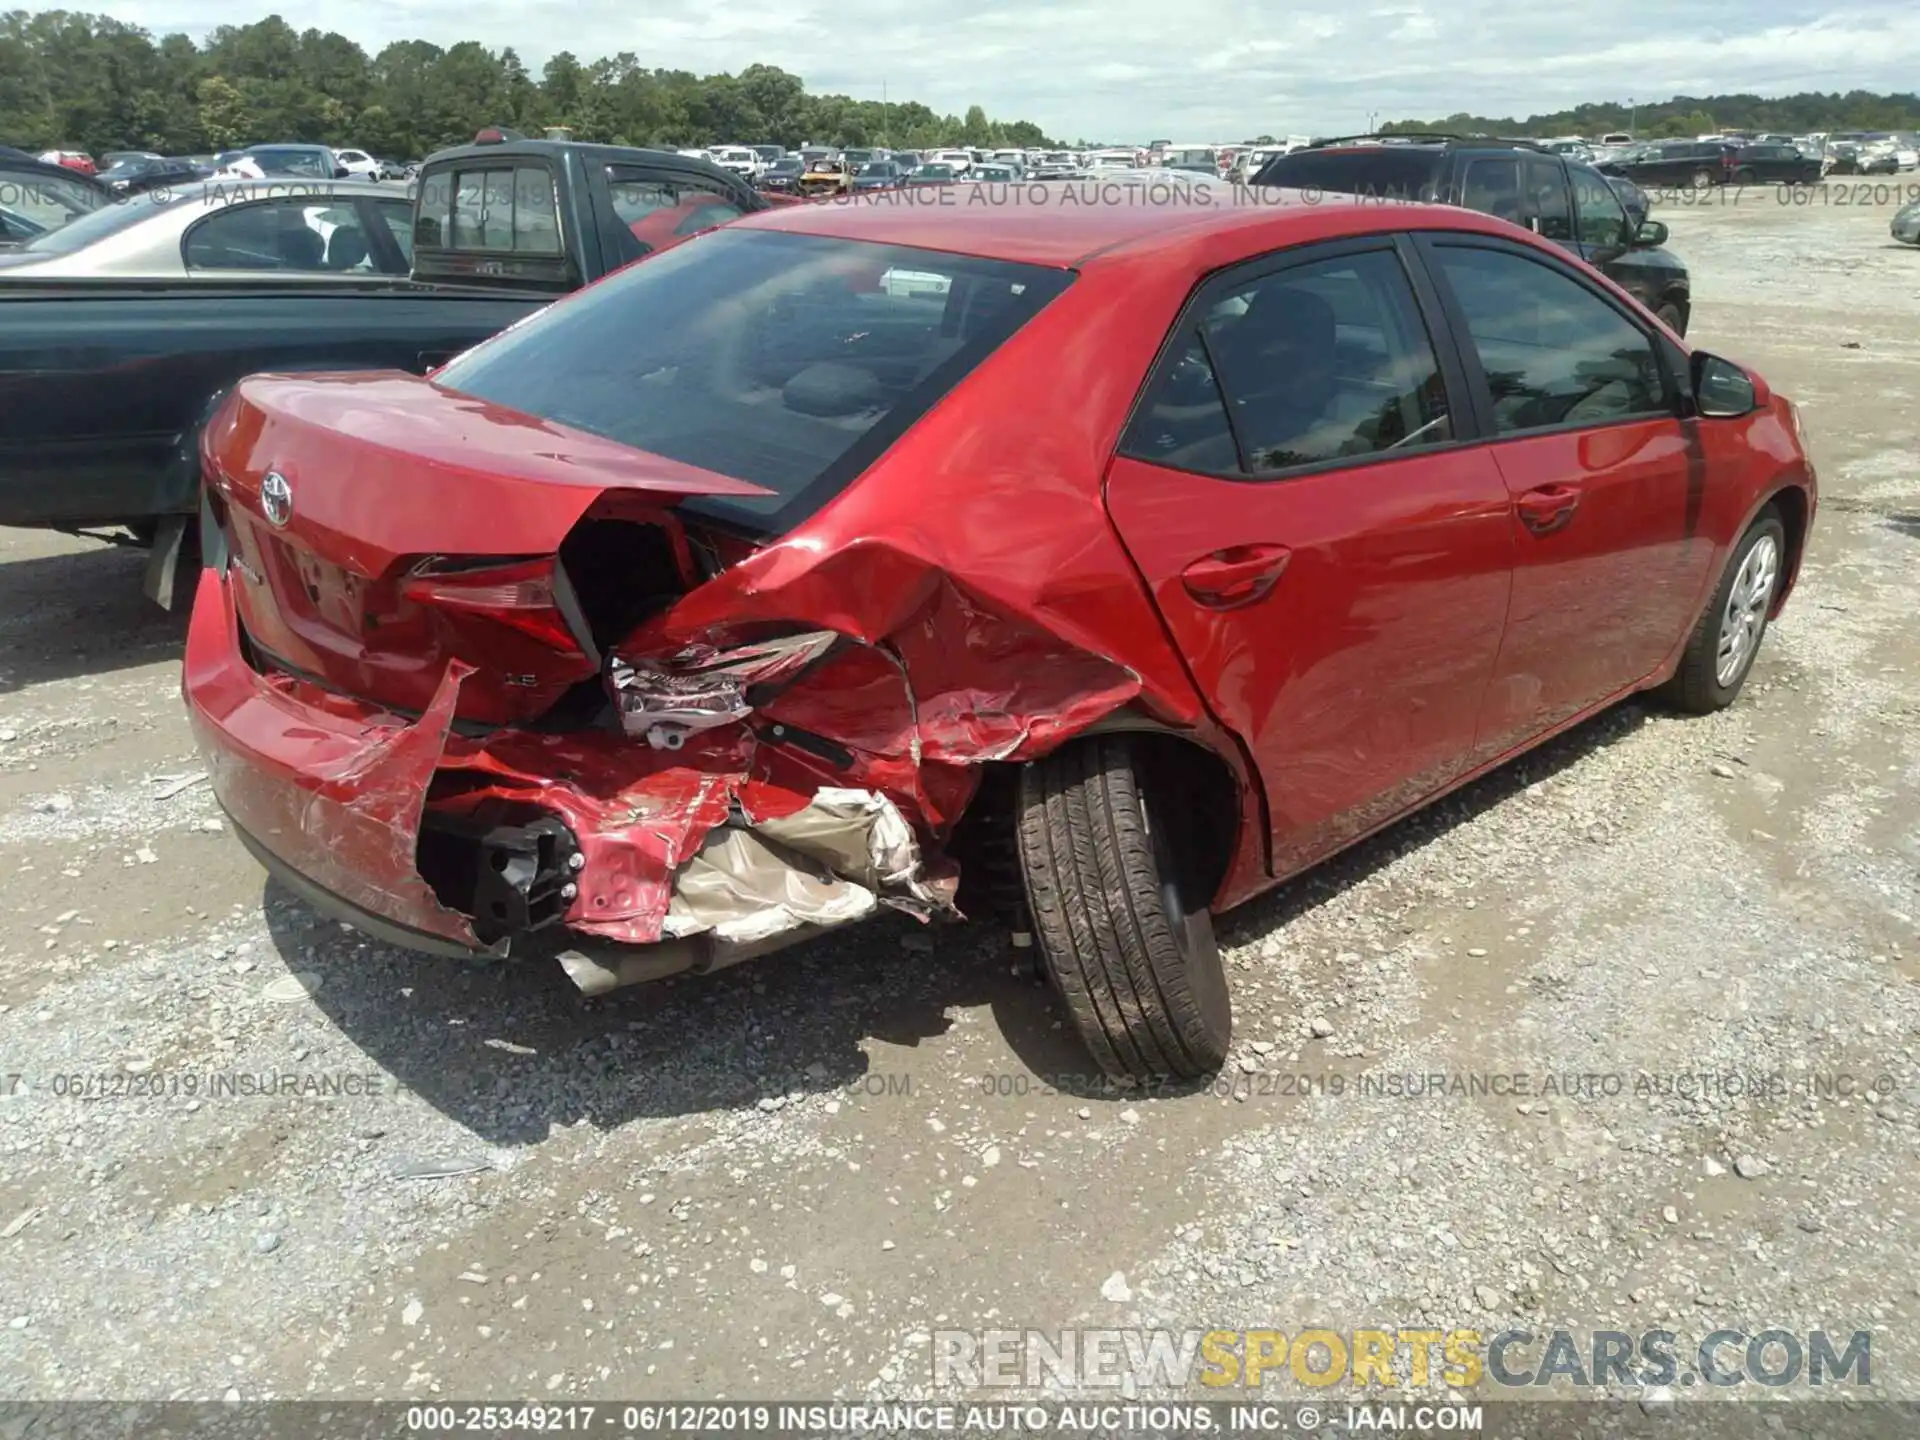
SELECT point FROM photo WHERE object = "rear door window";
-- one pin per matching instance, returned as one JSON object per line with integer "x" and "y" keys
{"x": 1546, "y": 201}
{"x": 1492, "y": 186}
{"x": 282, "y": 234}
{"x": 1322, "y": 361}
{"x": 341, "y": 231}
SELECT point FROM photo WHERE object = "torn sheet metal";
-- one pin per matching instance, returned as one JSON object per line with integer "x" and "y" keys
{"x": 767, "y": 881}
{"x": 664, "y": 700}
{"x": 753, "y": 791}
{"x": 797, "y": 781}
{"x": 337, "y": 799}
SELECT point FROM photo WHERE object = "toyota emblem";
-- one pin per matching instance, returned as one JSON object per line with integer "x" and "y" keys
{"x": 276, "y": 499}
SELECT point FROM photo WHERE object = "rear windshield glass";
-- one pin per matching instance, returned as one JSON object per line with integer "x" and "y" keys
{"x": 293, "y": 160}
{"x": 789, "y": 361}
{"x": 1386, "y": 172}
{"x": 489, "y": 208}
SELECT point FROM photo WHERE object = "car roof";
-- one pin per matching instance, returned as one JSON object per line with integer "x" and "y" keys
{"x": 555, "y": 149}
{"x": 1167, "y": 214}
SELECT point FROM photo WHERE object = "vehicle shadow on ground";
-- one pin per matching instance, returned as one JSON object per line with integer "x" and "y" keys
{"x": 1055, "y": 1054}
{"x": 81, "y": 613}
{"x": 511, "y": 1051}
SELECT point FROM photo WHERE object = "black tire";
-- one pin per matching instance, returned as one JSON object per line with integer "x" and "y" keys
{"x": 1696, "y": 687}
{"x": 1673, "y": 317}
{"x": 1132, "y": 956}
{"x": 1743, "y": 177}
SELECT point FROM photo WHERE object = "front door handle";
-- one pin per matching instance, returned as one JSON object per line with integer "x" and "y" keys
{"x": 1235, "y": 576}
{"x": 1548, "y": 507}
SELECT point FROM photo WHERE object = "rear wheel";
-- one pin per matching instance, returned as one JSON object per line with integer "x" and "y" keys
{"x": 1673, "y": 317}
{"x": 1129, "y": 947}
{"x": 1721, "y": 649}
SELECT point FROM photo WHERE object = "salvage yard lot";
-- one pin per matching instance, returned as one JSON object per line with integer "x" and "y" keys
{"x": 783, "y": 1178}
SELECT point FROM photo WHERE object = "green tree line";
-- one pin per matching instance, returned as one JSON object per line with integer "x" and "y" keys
{"x": 1687, "y": 115}
{"x": 90, "y": 82}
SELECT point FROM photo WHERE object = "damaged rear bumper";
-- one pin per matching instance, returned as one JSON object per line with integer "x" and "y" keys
{"x": 651, "y": 862}
{"x": 596, "y": 967}
{"x": 337, "y": 907}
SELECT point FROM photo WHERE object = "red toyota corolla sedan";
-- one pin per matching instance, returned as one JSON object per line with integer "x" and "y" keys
{"x": 1099, "y": 564}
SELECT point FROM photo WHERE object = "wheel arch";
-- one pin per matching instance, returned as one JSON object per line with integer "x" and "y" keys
{"x": 1223, "y": 792}
{"x": 1793, "y": 501}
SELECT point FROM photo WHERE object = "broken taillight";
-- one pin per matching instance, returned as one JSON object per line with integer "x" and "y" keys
{"x": 525, "y": 595}
{"x": 665, "y": 700}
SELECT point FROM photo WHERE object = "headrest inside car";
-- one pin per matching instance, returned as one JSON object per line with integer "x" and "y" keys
{"x": 830, "y": 389}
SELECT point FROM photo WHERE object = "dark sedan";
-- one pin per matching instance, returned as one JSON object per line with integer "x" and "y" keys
{"x": 879, "y": 175}
{"x": 139, "y": 175}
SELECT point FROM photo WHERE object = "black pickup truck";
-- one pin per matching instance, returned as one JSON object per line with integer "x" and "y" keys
{"x": 1557, "y": 198}
{"x": 106, "y": 382}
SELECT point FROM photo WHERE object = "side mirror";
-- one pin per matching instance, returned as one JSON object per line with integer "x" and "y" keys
{"x": 1650, "y": 234}
{"x": 340, "y": 172}
{"x": 1721, "y": 389}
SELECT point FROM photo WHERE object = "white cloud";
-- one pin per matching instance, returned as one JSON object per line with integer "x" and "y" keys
{"x": 1220, "y": 68}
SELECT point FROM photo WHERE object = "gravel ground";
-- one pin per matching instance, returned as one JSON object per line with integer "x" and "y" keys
{"x": 785, "y": 1178}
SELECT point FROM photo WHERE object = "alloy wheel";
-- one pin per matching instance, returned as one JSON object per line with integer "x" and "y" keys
{"x": 1746, "y": 613}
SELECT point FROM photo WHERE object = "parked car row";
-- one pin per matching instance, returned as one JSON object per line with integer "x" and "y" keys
{"x": 823, "y": 169}
{"x": 1701, "y": 164}
{"x": 132, "y": 171}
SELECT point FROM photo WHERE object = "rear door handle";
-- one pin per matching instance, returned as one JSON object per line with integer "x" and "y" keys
{"x": 1235, "y": 576}
{"x": 1548, "y": 507}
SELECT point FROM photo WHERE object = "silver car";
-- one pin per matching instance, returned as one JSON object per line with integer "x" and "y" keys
{"x": 225, "y": 230}
{"x": 1906, "y": 225}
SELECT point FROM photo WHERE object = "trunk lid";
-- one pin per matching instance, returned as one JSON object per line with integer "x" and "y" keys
{"x": 381, "y": 526}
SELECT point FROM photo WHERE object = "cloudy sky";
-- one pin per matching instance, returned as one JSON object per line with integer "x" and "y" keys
{"x": 1181, "y": 69}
